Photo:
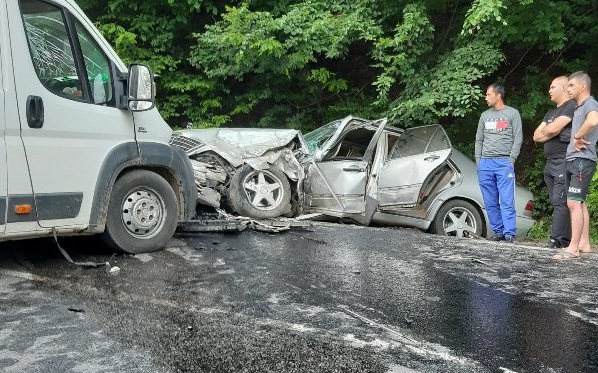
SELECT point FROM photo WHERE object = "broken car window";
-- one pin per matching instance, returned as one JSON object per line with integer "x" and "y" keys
{"x": 316, "y": 138}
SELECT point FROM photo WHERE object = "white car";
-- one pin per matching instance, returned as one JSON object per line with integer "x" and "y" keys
{"x": 353, "y": 169}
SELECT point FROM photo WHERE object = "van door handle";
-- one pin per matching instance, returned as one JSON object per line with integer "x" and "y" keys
{"x": 35, "y": 112}
{"x": 354, "y": 169}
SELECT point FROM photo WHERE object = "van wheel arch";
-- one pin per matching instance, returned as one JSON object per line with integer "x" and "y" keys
{"x": 170, "y": 163}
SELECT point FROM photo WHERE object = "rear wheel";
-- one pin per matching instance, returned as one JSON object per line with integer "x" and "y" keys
{"x": 458, "y": 218}
{"x": 260, "y": 194}
{"x": 142, "y": 213}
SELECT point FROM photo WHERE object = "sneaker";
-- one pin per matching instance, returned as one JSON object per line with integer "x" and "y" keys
{"x": 552, "y": 244}
{"x": 496, "y": 237}
{"x": 509, "y": 238}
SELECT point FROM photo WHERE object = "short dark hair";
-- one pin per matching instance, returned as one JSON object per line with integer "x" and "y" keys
{"x": 583, "y": 77}
{"x": 498, "y": 89}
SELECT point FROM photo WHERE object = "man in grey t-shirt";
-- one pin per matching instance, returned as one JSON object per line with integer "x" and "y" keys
{"x": 497, "y": 144}
{"x": 581, "y": 163}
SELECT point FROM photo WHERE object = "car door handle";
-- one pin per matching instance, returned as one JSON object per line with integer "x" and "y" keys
{"x": 354, "y": 169}
{"x": 35, "y": 111}
{"x": 431, "y": 158}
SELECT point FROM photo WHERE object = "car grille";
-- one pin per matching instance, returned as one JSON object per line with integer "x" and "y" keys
{"x": 188, "y": 144}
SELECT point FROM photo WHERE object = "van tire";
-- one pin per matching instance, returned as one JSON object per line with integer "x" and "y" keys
{"x": 142, "y": 214}
{"x": 244, "y": 200}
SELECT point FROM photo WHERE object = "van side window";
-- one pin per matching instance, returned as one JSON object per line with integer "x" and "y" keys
{"x": 54, "y": 53}
{"x": 97, "y": 67}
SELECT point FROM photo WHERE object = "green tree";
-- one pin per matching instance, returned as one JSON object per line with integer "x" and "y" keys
{"x": 296, "y": 68}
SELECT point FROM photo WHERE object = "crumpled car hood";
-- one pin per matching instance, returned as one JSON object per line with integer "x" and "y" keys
{"x": 238, "y": 145}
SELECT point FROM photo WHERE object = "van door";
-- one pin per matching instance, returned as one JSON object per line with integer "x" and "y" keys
{"x": 67, "y": 103}
{"x": 3, "y": 168}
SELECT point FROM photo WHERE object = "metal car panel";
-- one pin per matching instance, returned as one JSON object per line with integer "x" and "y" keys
{"x": 416, "y": 154}
{"x": 346, "y": 182}
{"x": 238, "y": 144}
{"x": 338, "y": 185}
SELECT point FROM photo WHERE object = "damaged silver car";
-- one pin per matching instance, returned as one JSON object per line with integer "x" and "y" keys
{"x": 354, "y": 169}
{"x": 253, "y": 172}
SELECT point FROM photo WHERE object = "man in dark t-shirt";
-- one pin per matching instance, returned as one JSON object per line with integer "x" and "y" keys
{"x": 555, "y": 133}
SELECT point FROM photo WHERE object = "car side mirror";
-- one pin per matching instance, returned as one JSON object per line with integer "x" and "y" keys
{"x": 141, "y": 92}
{"x": 319, "y": 155}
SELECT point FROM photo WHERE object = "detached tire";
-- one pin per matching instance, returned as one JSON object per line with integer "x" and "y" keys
{"x": 142, "y": 213}
{"x": 260, "y": 194}
{"x": 458, "y": 218}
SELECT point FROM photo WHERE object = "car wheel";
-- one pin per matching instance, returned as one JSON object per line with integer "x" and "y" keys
{"x": 458, "y": 218}
{"x": 260, "y": 194}
{"x": 142, "y": 213}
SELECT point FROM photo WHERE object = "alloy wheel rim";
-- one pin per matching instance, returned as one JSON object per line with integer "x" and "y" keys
{"x": 459, "y": 222}
{"x": 263, "y": 189}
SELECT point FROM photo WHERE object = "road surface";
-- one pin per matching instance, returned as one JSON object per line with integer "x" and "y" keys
{"x": 331, "y": 298}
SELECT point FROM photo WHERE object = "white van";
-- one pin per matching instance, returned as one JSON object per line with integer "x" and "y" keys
{"x": 83, "y": 149}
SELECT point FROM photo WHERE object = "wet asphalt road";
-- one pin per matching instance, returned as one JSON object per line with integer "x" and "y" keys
{"x": 332, "y": 298}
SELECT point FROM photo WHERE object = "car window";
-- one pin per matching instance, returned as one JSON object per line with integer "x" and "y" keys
{"x": 318, "y": 137}
{"x": 53, "y": 54}
{"x": 353, "y": 143}
{"x": 420, "y": 140}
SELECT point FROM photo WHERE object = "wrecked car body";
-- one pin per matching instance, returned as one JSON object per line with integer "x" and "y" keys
{"x": 254, "y": 172}
{"x": 354, "y": 169}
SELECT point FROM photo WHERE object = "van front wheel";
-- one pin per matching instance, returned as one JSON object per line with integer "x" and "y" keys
{"x": 142, "y": 213}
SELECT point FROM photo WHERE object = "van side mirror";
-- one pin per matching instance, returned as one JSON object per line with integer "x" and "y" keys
{"x": 141, "y": 93}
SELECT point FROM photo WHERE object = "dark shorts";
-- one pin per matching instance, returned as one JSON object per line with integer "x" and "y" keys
{"x": 579, "y": 175}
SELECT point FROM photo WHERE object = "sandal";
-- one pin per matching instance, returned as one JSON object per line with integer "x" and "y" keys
{"x": 564, "y": 255}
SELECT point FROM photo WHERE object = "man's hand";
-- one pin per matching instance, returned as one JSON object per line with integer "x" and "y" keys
{"x": 580, "y": 143}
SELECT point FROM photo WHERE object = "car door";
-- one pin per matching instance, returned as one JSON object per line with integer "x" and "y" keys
{"x": 67, "y": 107}
{"x": 337, "y": 179}
{"x": 410, "y": 166}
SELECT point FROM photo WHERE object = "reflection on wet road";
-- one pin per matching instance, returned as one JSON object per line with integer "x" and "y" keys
{"x": 332, "y": 298}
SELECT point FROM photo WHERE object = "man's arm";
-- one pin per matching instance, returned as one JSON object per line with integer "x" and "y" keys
{"x": 479, "y": 140}
{"x": 517, "y": 136}
{"x": 538, "y": 135}
{"x": 588, "y": 125}
{"x": 545, "y": 131}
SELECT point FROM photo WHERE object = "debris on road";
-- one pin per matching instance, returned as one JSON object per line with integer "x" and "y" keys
{"x": 68, "y": 257}
{"x": 222, "y": 221}
{"x": 476, "y": 260}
